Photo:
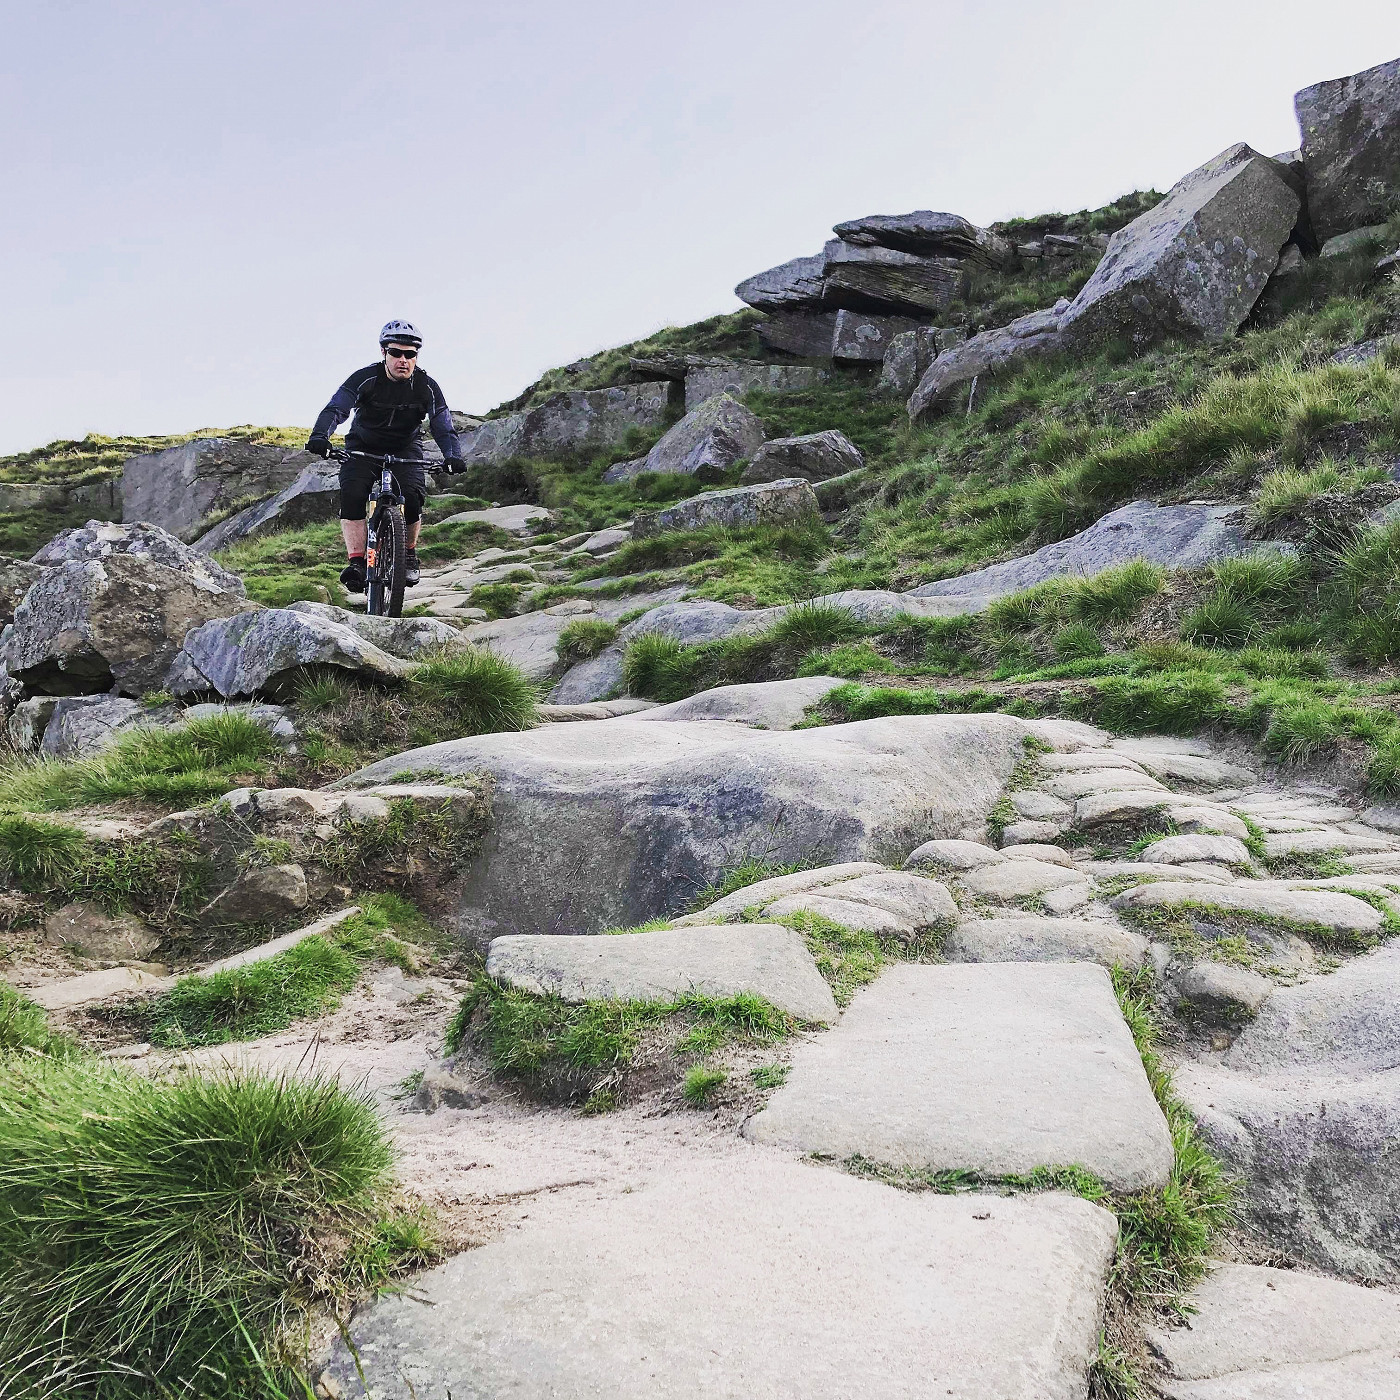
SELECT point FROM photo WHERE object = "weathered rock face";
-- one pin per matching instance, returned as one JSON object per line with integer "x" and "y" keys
{"x": 784, "y": 502}
{"x": 102, "y": 499}
{"x": 704, "y": 444}
{"x": 16, "y": 577}
{"x": 764, "y": 704}
{"x": 404, "y": 637}
{"x": 806, "y": 333}
{"x": 87, "y": 929}
{"x": 257, "y": 651}
{"x": 927, "y": 233}
{"x": 863, "y": 337}
{"x": 83, "y": 724}
{"x": 884, "y": 280}
{"x": 813, "y": 457}
{"x": 810, "y": 1278}
{"x": 735, "y": 377}
{"x": 179, "y": 488}
{"x": 93, "y": 625}
{"x": 1194, "y": 264}
{"x": 100, "y": 539}
{"x": 907, "y": 358}
{"x": 1029, "y": 337}
{"x": 577, "y": 421}
{"x": 314, "y": 495}
{"x": 611, "y": 824}
{"x": 791, "y": 285}
{"x": 1180, "y": 536}
{"x": 1351, "y": 148}
{"x": 1305, "y": 1106}
{"x": 269, "y": 892}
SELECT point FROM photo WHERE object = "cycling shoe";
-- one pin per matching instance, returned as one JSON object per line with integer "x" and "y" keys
{"x": 353, "y": 576}
{"x": 413, "y": 573}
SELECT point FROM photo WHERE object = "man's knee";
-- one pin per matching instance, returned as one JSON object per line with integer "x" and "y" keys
{"x": 414, "y": 494}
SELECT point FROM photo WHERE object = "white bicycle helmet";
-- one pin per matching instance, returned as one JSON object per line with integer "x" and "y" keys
{"x": 401, "y": 333}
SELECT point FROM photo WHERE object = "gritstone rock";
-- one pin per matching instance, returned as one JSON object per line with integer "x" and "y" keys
{"x": 608, "y": 825}
{"x": 804, "y": 1277}
{"x": 792, "y": 285}
{"x": 927, "y": 233}
{"x": 83, "y": 724}
{"x": 257, "y": 651}
{"x": 180, "y": 487}
{"x": 577, "y": 421}
{"x": 994, "y": 1068}
{"x": 17, "y": 576}
{"x": 314, "y": 495}
{"x": 1351, "y": 148}
{"x": 766, "y": 960}
{"x": 1194, "y": 264}
{"x": 404, "y": 637}
{"x": 88, "y": 929}
{"x": 808, "y": 333}
{"x": 736, "y": 377}
{"x": 813, "y": 457}
{"x": 783, "y": 502}
{"x": 101, "y": 539}
{"x": 117, "y": 622}
{"x": 1181, "y": 537}
{"x": 704, "y": 444}
{"x": 863, "y": 337}
{"x": 888, "y": 282}
{"x": 1035, "y": 938}
{"x": 762, "y": 704}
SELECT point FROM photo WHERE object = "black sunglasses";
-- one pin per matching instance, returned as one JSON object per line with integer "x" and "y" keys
{"x": 401, "y": 354}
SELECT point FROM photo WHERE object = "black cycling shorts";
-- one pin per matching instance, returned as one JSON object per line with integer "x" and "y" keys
{"x": 359, "y": 478}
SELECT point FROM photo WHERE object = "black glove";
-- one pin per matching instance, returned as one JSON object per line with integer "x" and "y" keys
{"x": 318, "y": 445}
{"x": 453, "y": 465}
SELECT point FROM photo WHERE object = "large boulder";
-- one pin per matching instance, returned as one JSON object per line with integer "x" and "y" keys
{"x": 1194, "y": 264}
{"x": 813, "y": 457}
{"x": 405, "y": 637}
{"x": 611, "y": 824}
{"x": 1351, "y": 148}
{"x": 709, "y": 378}
{"x": 1028, "y": 337}
{"x": 704, "y": 444}
{"x": 581, "y": 420}
{"x": 784, "y": 502}
{"x": 101, "y": 539}
{"x": 314, "y": 495}
{"x": 181, "y": 487}
{"x": 101, "y": 624}
{"x": 790, "y": 286}
{"x": 83, "y": 724}
{"x": 262, "y": 652}
{"x": 871, "y": 278}
{"x": 864, "y": 337}
{"x": 1182, "y": 537}
{"x": 809, "y": 333}
{"x": 1305, "y": 1107}
{"x": 928, "y": 233}
{"x": 17, "y": 576}
{"x": 909, "y": 355}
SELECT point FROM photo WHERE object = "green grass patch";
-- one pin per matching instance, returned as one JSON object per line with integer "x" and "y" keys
{"x": 485, "y": 692}
{"x": 701, "y": 1084}
{"x": 583, "y": 1053}
{"x": 584, "y": 639}
{"x": 24, "y": 1028}
{"x": 159, "y": 1232}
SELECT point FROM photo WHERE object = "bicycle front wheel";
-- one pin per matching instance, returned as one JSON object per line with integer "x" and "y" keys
{"x": 385, "y": 584}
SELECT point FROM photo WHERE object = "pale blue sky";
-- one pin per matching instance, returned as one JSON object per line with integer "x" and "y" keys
{"x": 208, "y": 211}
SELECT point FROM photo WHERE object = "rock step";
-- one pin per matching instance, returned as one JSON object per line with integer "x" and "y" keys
{"x": 995, "y": 1068}
{"x": 750, "y": 1276}
{"x": 767, "y": 960}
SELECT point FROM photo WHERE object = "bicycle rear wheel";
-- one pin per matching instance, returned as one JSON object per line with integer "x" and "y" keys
{"x": 386, "y": 576}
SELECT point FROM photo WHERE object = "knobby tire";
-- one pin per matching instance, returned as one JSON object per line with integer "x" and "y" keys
{"x": 386, "y": 583}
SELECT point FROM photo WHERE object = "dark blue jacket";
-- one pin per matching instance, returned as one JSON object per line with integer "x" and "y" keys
{"x": 389, "y": 414}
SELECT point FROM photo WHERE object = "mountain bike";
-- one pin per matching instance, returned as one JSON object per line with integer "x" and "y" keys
{"x": 386, "y": 538}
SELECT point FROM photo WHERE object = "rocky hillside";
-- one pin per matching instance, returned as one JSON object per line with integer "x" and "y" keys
{"x": 874, "y": 853}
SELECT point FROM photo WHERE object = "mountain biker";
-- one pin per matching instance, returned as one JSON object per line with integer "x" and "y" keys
{"x": 390, "y": 400}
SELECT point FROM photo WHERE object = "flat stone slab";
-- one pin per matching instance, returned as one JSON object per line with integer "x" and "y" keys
{"x": 1104, "y": 808}
{"x": 952, "y": 855}
{"x": 753, "y": 1277}
{"x": 891, "y": 901}
{"x": 1068, "y": 786}
{"x": 764, "y": 704}
{"x": 1343, "y": 913}
{"x": 95, "y": 986}
{"x": 1108, "y": 869}
{"x": 1037, "y": 806}
{"x": 1035, "y": 938}
{"x": 272, "y": 947}
{"x": 1260, "y": 1332}
{"x": 995, "y": 1068}
{"x": 1294, "y": 843}
{"x": 1189, "y": 768}
{"x": 1177, "y": 850}
{"x": 1018, "y": 879}
{"x": 722, "y": 961}
{"x": 1086, "y": 761}
{"x": 1055, "y": 855}
{"x": 516, "y": 519}
{"x": 764, "y": 892}
{"x": 1208, "y": 821}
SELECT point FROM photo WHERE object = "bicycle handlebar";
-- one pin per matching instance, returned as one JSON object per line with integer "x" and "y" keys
{"x": 343, "y": 454}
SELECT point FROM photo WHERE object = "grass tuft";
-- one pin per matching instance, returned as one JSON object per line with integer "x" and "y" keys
{"x": 485, "y": 691}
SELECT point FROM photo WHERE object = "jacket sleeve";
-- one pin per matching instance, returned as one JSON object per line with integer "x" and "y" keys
{"x": 341, "y": 406}
{"x": 440, "y": 424}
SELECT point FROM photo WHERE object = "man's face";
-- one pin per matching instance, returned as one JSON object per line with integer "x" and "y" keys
{"x": 399, "y": 361}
